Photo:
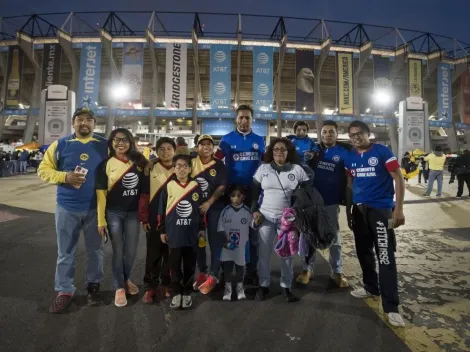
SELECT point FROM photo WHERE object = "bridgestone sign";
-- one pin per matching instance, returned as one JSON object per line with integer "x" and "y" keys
{"x": 176, "y": 74}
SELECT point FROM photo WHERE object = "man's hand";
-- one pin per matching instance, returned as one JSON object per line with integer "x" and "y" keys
{"x": 205, "y": 206}
{"x": 349, "y": 217}
{"x": 149, "y": 167}
{"x": 74, "y": 179}
{"x": 202, "y": 234}
{"x": 146, "y": 227}
{"x": 398, "y": 218}
{"x": 164, "y": 238}
{"x": 258, "y": 218}
{"x": 103, "y": 230}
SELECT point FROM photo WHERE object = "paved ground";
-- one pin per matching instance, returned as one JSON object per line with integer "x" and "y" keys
{"x": 434, "y": 266}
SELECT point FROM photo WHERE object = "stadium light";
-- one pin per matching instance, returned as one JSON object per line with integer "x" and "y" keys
{"x": 382, "y": 97}
{"x": 119, "y": 92}
{"x": 368, "y": 110}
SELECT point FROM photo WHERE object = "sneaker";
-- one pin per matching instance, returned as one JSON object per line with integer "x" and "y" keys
{"x": 289, "y": 296}
{"x": 228, "y": 292}
{"x": 60, "y": 303}
{"x": 120, "y": 299}
{"x": 262, "y": 293}
{"x": 252, "y": 279}
{"x": 304, "y": 278}
{"x": 175, "y": 302}
{"x": 438, "y": 195}
{"x": 149, "y": 296}
{"x": 395, "y": 319}
{"x": 426, "y": 195}
{"x": 240, "y": 291}
{"x": 361, "y": 293}
{"x": 201, "y": 278}
{"x": 187, "y": 301}
{"x": 208, "y": 285}
{"x": 93, "y": 296}
{"x": 458, "y": 196}
{"x": 340, "y": 280}
{"x": 131, "y": 288}
{"x": 163, "y": 291}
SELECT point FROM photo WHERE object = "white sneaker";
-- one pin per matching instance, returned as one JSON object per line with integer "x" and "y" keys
{"x": 361, "y": 293}
{"x": 240, "y": 291}
{"x": 175, "y": 302}
{"x": 228, "y": 291}
{"x": 187, "y": 301}
{"x": 395, "y": 319}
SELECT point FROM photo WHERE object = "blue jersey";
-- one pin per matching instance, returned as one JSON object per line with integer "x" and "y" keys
{"x": 372, "y": 182}
{"x": 329, "y": 177}
{"x": 302, "y": 145}
{"x": 242, "y": 155}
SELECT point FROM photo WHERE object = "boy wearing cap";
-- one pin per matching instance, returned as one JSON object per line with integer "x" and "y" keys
{"x": 76, "y": 205}
{"x": 211, "y": 175}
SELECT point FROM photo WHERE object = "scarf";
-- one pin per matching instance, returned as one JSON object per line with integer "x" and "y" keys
{"x": 284, "y": 168}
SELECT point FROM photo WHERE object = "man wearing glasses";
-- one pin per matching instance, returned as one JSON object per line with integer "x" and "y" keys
{"x": 70, "y": 163}
{"x": 372, "y": 170}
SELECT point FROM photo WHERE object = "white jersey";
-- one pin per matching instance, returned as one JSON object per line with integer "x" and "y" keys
{"x": 236, "y": 225}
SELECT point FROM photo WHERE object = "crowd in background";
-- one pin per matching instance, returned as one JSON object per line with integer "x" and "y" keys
{"x": 18, "y": 161}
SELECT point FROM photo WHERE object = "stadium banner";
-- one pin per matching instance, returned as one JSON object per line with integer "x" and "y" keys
{"x": 14, "y": 73}
{"x": 176, "y": 75}
{"x": 262, "y": 78}
{"x": 133, "y": 69}
{"x": 304, "y": 69}
{"x": 345, "y": 83}
{"x": 444, "y": 92}
{"x": 220, "y": 76}
{"x": 415, "y": 80}
{"x": 382, "y": 79}
{"x": 465, "y": 97}
{"x": 89, "y": 77}
{"x": 52, "y": 55}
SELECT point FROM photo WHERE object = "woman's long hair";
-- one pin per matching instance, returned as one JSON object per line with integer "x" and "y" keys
{"x": 292, "y": 156}
{"x": 133, "y": 153}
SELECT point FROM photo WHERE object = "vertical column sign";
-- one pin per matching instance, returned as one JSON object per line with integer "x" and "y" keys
{"x": 14, "y": 72}
{"x": 133, "y": 69}
{"x": 220, "y": 78}
{"x": 345, "y": 83}
{"x": 51, "y": 65}
{"x": 89, "y": 77}
{"x": 176, "y": 74}
{"x": 262, "y": 78}
{"x": 444, "y": 92}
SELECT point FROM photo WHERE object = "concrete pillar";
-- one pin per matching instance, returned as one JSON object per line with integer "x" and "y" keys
{"x": 3, "y": 70}
{"x": 316, "y": 86}
{"x": 197, "y": 82}
{"x": 65, "y": 41}
{"x": 282, "y": 51}
{"x": 153, "y": 58}
{"x": 365, "y": 52}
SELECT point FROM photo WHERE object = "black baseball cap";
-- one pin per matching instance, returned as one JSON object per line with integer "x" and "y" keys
{"x": 83, "y": 111}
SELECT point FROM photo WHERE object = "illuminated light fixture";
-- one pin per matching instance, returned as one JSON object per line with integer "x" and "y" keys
{"x": 336, "y": 110}
{"x": 305, "y": 108}
{"x": 171, "y": 123}
{"x": 382, "y": 97}
{"x": 235, "y": 105}
{"x": 119, "y": 92}
{"x": 328, "y": 111}
{"x": 368, "y": 110}
{"x": 164, "y": 103}
{"x": 140, "y": 122}
{"x": 200, "y": 105}
{"x": 21, "y": 106}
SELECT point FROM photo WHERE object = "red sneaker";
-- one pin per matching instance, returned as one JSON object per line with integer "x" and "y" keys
{"x": 149, "y": 296}
{"x": 60, "y": 303}
{"x": 201, "y": 278}
{"x": 208, "y": 285}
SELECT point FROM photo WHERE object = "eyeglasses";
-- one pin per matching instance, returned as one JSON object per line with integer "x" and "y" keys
{"x": 279, "y": 150}
{"x": 181, "y": 166}
{"x": 118, "y": 140}
{"x": 357, "y": 134}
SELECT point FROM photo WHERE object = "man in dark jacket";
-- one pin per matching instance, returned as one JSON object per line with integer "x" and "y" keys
{"x": 461, "y": 169}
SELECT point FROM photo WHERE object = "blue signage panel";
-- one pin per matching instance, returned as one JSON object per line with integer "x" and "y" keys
{"x": 217, "y": 127}
{"x": 220, "y": 77}
{"x": 444, "y": 92}
{"x": 260, "y": 127}
{"x": 444, "y": 124}
{"x": 89, "y": 77}
{"x": 262, "y": 78}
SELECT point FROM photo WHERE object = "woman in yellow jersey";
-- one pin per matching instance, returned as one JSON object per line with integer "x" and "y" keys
{"x": 118, "y": 185}
{"x": 409, "y": 168}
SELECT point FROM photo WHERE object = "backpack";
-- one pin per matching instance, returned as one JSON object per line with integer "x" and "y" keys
{"x": 313, "y": 221}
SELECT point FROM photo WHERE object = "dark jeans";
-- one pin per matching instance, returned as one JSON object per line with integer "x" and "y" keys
{"x": 370, "y": 227}
{"x": 215, "y": 241}
{"x": 228, "y": 271}
{"x": 182, "y": 280}
{"x": 425, "y": 174}
{"x": 157, "y": 267}
{"x": 461, "y": 179}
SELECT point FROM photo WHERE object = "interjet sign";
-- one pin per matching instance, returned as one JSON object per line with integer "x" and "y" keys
{"x": 89, "y": 78}
{"x": 444, "y": 92}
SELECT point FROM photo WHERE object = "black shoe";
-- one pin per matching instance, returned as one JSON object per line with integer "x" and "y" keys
{"x": 252, "y": 279}
{"x": 93, "y": 297}
{"x": 289, "y": 296}
{"x": 262, "y": 293}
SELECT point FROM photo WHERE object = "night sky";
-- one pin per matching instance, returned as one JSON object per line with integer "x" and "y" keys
{"x": 450, "y": 17}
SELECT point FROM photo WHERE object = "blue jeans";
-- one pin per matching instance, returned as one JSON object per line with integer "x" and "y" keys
{"x": 215, "y": 242}
{"x": 124, "y": 230}
{"x": 336, "y": 261}
{"x": 68, "y": 227}
{"x": 435, "y": 175}
{"x": 23, "y": 166}
{"x": 267, "y": 238}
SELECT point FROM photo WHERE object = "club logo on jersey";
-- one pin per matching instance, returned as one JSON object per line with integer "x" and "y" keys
{"x": 335, "y": 158}
{"x": 213, "y": 173}
{"x": 236, "y": 157}
{"x": 353, "y": 172}
{"x": 243, "y": 221}
{"x": 184, "y": 210}
{"x": 130, "y": 181}
{"x": 255, "y": 146}
{"x": 291, "y": 177}
{"x": 195, "y": 197}
{"x": 373, "y": 161}
{"x": 84, "y": 157}
{"x": 235, "y": 238}
{"x": 202, "y": 183}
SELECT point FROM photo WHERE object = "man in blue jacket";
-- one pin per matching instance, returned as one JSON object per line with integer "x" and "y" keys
{"x": 76, "y": 206}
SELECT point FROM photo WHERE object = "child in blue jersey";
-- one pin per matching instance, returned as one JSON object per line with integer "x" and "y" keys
{"x": 304, "y": 145}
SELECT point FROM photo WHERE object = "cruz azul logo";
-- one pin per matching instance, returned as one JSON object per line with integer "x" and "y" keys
{"x": 373, "y": 161}
{"x": 184, "y": 209}
{"x": 130, "y": 181}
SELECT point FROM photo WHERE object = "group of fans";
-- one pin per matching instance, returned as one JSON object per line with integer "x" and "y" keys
{"x": 231, "y": 200}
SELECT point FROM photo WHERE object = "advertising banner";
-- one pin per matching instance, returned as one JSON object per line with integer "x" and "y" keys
{"x": 14, "y": 73}
{"x": 465, "y": 97}
{"x": 345, "y": 83}
{"x": 51, "y": 64}
{"x": 262, "y": 78}
{"x": 220, "y": 77}
{"x": 382, "y": 74}
{"x": 444, "y": 92}
{"x": 89, "y": 77}
{"x": 305, "y": 68}
{"x": 56, "y": 117}
{"x": 415, "y": 80}
{"x": 133, "y": 69}
{"x": 414, "y": 130}
{"x": 176, "y": 74}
